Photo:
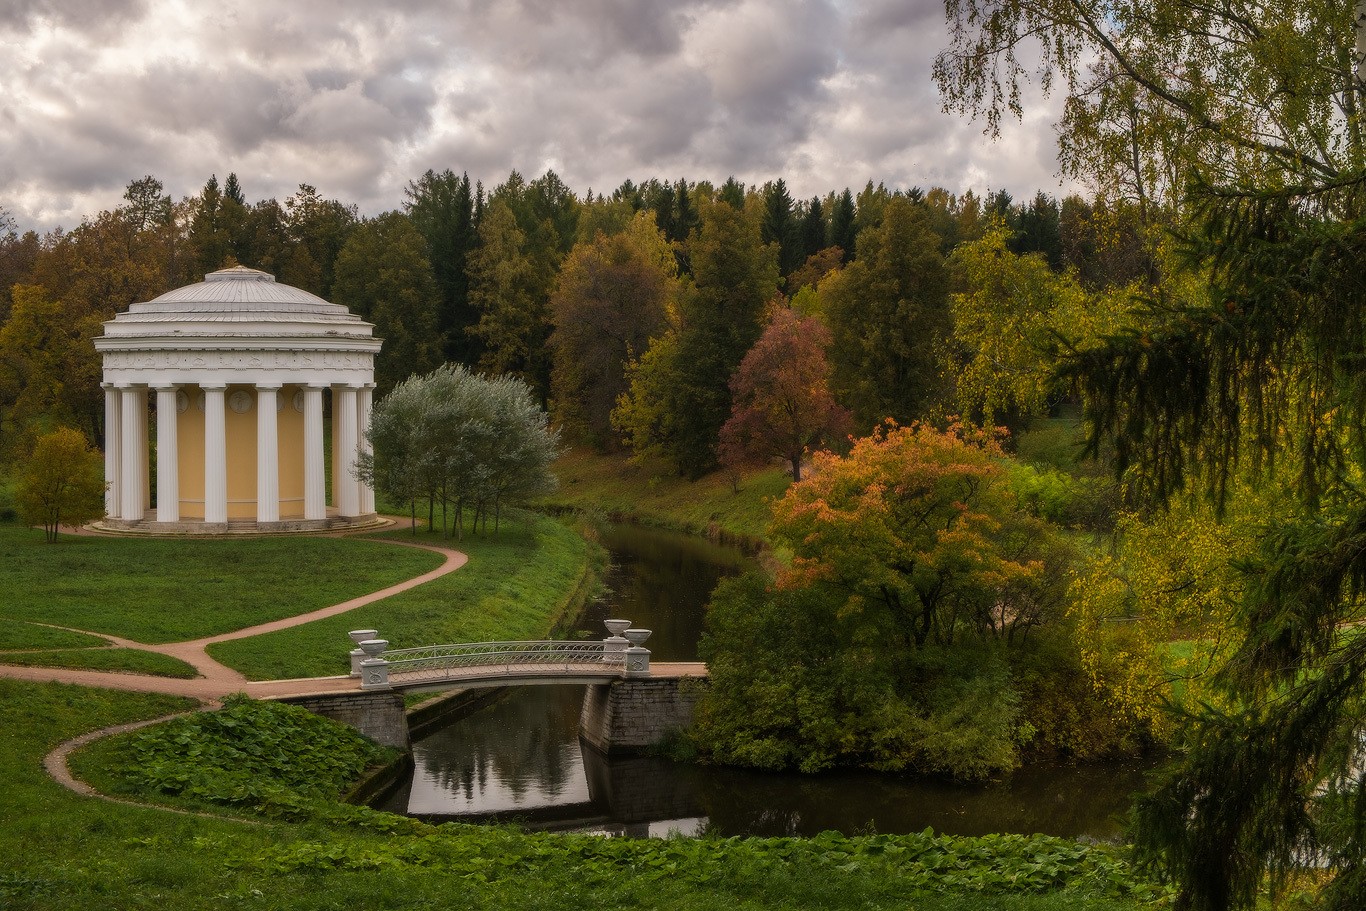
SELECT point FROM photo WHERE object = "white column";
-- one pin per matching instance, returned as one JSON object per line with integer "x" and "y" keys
{"x": 345, "y": 492}
{"x": 132, "y": 467}
{"x": 315, "y": 470}
{"x": 168, "y": 455}
{"x": 364, "y": 400}
{"x": 144, "y": 452}
{"x": 215, "y": 455}
{"x": 267, "y": 455}
{"x": 113, "y": 444}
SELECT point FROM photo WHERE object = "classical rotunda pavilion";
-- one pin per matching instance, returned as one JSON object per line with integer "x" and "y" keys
{"x": 240, "y": 366}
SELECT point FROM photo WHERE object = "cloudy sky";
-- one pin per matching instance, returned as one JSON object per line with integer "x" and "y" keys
{"x": 358, "y": 97}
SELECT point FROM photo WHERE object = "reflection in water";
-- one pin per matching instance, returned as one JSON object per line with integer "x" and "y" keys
{"x": 520, "y": 757}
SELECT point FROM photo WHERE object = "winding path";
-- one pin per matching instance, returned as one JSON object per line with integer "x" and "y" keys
{"x": 217, "y": 680}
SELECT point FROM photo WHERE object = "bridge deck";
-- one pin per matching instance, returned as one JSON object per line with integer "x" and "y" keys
{"x": 580, "y": 673}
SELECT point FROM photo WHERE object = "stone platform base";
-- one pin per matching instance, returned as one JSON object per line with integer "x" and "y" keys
{"x": 237, "y": 526}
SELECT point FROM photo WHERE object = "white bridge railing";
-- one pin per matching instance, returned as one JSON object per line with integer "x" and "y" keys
{"x": 381, "y": 668}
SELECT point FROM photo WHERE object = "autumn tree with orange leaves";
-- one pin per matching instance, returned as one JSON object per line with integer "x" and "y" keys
{"x": 918, "y": 627}
{"x": 917, "y": 528}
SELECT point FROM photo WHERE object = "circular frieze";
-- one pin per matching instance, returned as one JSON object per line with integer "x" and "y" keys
{"x": 199, "y": 402}
{"x": 182, "y": 401}
{"x": 279, "y": 403}
{"x": 240, "y": 401}
{"x": 299, "y": 401}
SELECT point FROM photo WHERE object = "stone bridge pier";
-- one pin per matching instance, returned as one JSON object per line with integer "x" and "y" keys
{"x": 379, "y": 716}
{"x": 631, "y": 716}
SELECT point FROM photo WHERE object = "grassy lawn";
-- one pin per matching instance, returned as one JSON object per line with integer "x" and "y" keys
{"x": 68, "y": 853}
{"x": 652, "y": 492}
{"x": 154, "y": 590}
{"x": 127, "y": 660}
{"x": 20, "y": 635}
{"x": 517, "y": 585}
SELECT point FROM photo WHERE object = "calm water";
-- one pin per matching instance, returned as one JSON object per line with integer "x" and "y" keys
{"x": 520, "y": 758}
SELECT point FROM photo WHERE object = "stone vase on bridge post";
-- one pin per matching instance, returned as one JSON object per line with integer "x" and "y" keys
{"x": 637, "y": 658}
{"x": 374, "y": 670}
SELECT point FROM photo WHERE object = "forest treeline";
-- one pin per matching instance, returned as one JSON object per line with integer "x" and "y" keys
{"x": 627, "y": 313}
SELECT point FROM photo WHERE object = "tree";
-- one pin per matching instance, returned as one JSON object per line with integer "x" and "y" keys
{"x": 889, "y": 642}
{"x": 441, "y": 207}
{"x": 782, "y": 401}
{"x": 680, "y": 397}
{"x": 49, "y": 372}
{"x": 1157, "y": 90}
{"x": 382, "y": 274}
{"x": 1254, "y": 372}
{"x": 1010, "y": 323}
{"x": 510, "y": 283}
{"x": 147, "y": 205}
{"x": 888, "y": 313}
{"x": 918, "y": 527}
{"x": 318, "y": 229}
{"x": 460, "y": 439}
{"x": 782, "y": 227}
{"x": 612, "y": 296}
{"x": 62, "y": 482}
{"x": 842, "y": 230}
{"x": 211, "y": 240}
{"x": 813, "y": 231}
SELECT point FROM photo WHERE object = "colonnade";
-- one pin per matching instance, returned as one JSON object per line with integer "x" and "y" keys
{"x": 128, "y": 497}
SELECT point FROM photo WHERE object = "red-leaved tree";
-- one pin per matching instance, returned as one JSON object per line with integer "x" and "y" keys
{"x": 781, "y": 395}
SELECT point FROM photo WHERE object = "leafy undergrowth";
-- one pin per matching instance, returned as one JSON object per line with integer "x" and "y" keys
{"x": 123, "y": 660}
{"x": 248, "y": 754}
{"x": 284, "y": 764}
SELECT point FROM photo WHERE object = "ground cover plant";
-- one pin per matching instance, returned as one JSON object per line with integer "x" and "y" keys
{"x": 247, "y": 751}
{"x": 313, "y": 852}
{"x": 517, "y": 583}
{"x": 155, "y": 590}
{"x": 652, "y": 491}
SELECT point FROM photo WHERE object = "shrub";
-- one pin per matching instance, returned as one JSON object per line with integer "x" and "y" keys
{"x": 249, "y": 754}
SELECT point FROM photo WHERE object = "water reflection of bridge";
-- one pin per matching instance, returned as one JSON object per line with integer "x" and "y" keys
{"x": 524, "y": 761}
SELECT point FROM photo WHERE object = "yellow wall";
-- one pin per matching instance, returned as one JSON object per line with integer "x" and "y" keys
{"x": 241, "y": 433}
{"x": 190, "y": 447}
{"x": 291, "y": 436}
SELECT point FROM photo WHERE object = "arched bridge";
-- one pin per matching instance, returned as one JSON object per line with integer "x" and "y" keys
{"x": 628, "y": 706}
{"x": 490, "y": 664}
{"x": 484, "y": 664}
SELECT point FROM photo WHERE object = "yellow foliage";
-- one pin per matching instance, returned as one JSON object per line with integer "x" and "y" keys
{"x": 1154, "y": 615}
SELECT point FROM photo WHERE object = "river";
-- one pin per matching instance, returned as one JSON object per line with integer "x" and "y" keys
{"x": 520, "y": 758}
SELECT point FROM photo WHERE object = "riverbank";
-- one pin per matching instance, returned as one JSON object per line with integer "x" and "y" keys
{"x": 65, "y": 852}
{"x": 650, "y": 492}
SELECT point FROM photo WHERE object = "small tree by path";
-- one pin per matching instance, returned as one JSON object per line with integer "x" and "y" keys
{"x": 61, "y": 482}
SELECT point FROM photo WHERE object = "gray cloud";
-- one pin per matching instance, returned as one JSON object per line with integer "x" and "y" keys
{"x": 358, "y": 98}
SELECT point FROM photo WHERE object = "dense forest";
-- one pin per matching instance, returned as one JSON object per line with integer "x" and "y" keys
{"x": 627, "y": 313}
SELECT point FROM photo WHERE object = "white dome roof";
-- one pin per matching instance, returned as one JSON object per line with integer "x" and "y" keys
{"x": 236, "y": 325}
{"x": 236, "y": 295}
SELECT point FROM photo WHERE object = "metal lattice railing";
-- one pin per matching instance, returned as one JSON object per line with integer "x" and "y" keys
{"x": 439, "y": 662}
